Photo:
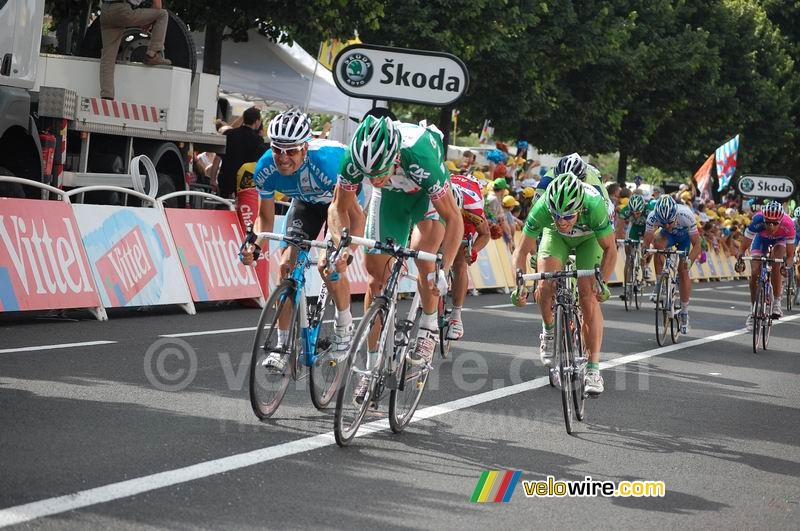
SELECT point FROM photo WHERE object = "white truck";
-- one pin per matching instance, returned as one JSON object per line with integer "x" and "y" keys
{"x": 55, "y": 128}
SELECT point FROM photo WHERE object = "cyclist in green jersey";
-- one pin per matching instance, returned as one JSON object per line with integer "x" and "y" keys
{"x": 585, "y": 172}
{"x": 571, "y": 217}
{"x": 411, "y": 189}
{"x": 635, "y": 216}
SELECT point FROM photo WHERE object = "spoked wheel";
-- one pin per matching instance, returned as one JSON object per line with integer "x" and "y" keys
{"x": 562, "y": 353}
{"x": 790, "y": 288}
{"x": 404, "y": 400}
{"x": 627, "y": 286}
{"x": 360, "y": 369}
{"x": 758, "y": 318}
{"x": 268, "y": 386}
{"x": 637, "y": 284}
{"x": 579, "y": 371}
{"x": 766, "y": 321}
{"x": 444, "y": 325}
{"x": 663, "y": 315}
{"x": 674, "y": 323}
{"x": 325, "y": 371}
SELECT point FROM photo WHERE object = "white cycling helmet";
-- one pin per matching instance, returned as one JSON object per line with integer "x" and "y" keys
{"x": 666, "y": 210}
{"x": 289, "y": 128}
{"x": 571, "y": 163}
{"x": 458, "y": 195}
{"x": 797, "y": 213}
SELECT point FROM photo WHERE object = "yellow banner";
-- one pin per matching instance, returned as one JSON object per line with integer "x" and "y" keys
{"x": 331, "y": 48}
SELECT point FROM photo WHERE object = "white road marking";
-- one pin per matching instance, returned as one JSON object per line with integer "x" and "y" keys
{"x": 54, "y": 347}
{"x": 211, "y": 332}
{"x": 132, "y": 487}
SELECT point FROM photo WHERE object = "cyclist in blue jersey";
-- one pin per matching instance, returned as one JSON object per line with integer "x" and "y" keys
{"x": 668, "y": 225}
{"x": 306, "y": 171}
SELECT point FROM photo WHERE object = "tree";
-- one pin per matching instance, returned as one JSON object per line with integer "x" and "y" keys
{"x": 278, "y": 20}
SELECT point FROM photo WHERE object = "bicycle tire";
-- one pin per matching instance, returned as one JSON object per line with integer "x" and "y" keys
{"x": 404, "y": 400}
{"x": 638, "y": 280}
{"x": 562, "y": 353}
{"x": 766, "y": 323}
{"x": 349, "y": 413}
{"x": 443, "y": 314}
{"x": 266, "y": 387}
{"x": 325, "y": 373}
{"x": 790, "y": 288}
{"x": 579, "y": 371}
{"x": 662, "y": 313}
{"x": 627, "y": 281}
{"x": 757, "y": 312}
{"x": 674, "y": 326}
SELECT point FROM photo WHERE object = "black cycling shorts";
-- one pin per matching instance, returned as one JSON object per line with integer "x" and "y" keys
{"x": 306, "y": 219}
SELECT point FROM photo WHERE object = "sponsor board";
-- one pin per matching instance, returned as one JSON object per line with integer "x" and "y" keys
{"x": 131, "y": 255}
{"x": 400, "y": 74}
{"x": 777, "y": 186}
{"x": 43, "y": 264}
{"x": 208, "y": 243}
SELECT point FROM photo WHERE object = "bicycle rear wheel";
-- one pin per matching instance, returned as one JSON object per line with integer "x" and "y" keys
{"x": 267, "y": 387}
{"x": 627, "y": 285}
{"x": 404, "y": 400}
{"x": 351, "y": 408}
{"x": 663, "y": 316}
{"x": 565, "y": 367}
{"x": 325, "y": 372}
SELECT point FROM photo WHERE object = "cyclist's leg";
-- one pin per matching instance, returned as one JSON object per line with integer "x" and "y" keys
{"x": 660, "y": 241}
{"x": 778, "y": 251}
{"x": 553, "y": 254}
{"x": 757, "y": 248}
{"x": 684, "y": 244}
{"x": 459, "y": 289}
{"x": 426, "y": 236}
{"x": 588, "y": 255}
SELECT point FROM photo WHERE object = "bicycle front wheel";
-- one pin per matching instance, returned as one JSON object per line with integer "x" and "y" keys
{"x": 325, "y": 372}
{"x": 663, "y": 316}
{"x": 674, "y": 325}
{"x": 444, "y": 343}
{"x": 638, "y": 277}
{"x": 268, "y": 386}
{"x": 627, "y": 286}
{"x": 758, "y": 318}
{"x": 359, "y": 375}
{"x": 404, "y": 400}
{"x": 562, "y": 353}
{"x": 579, "y": 369}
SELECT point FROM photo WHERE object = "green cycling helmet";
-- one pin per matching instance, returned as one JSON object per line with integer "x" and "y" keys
{"x": 565, "y": 194}
{"x": 636, "y": 203}
{"x": 375, "y": 146}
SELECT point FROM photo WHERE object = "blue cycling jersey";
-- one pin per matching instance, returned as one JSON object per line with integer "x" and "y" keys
{"x": 312, "y": 183}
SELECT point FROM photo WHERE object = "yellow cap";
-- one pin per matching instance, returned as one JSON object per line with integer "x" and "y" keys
{"x": 685, "y": 196}
{"x": 451, "y": 165}
{"x": 510, "y": 202}
{"x": 479, "y": 175}
{"x": 528, "y": 192}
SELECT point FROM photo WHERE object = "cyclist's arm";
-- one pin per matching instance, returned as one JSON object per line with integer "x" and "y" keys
{"x": 609, "y": 245}
{"x": 454, "y": 227}
{"x": 744, "y": 245}
{"x": 526, "y": 247}
{"x": 265, "y": 221}
{"x": 344, "y": 204}
{"x": 790, "y": 247}
{"x": 483, "y": 236}
{"x": 697, "y": 248}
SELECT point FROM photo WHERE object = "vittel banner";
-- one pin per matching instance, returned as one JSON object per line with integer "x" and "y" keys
{"x": 42, "y": 261}
{"x": 208, "y": 243}
{"x": 131, "y": 256}
{"x": 400, "y": 74}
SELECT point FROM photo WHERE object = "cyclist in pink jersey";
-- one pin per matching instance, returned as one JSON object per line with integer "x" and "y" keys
{"x": 770, "y": 228}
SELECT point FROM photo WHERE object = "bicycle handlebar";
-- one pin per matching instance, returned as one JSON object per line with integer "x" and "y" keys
{"x": 666, "y": 251}
{"x": 292, "y": 240}
{"x": 395, "y": 250}
{"x": 579, "y": 273}
{"x": 763, "y": 259}
{"x": 628, "y": 241}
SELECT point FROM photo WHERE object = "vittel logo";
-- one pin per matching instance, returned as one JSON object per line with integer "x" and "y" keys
{"x": 218, "y": 254}
{"x": 131, "y": 268}
{"x": 46, "y": 261}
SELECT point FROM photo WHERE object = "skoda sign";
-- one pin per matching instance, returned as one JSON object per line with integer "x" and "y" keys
{"x": 779, "y": 187}
{"x": 399, "y": 74}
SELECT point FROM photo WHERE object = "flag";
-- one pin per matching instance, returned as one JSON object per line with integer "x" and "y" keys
{"x": 726, "y": 161}
{"x": 329, "y": 49}
{"x": 486, "y": 132}
{"x": 454, "y": 114}
{"x": 703, "y": 178}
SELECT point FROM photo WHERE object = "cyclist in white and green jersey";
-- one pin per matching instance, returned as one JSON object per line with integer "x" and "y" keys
{"x": 572, "y": 216}
{"x": 634, "y": 216}
{"x": 411, "y": 189}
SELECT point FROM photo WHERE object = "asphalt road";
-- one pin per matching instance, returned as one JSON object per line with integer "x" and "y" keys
{"x": 91, "y": 437}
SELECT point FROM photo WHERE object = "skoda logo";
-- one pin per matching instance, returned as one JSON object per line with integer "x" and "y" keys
{"x": 746, "y": 185}
{"x": 356, "y": 69}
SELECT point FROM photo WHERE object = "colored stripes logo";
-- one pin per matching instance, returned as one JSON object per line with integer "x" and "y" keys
{"x": 495, "y": 486}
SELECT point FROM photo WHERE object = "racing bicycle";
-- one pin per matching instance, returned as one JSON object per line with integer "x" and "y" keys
{"x": 668, "y": 300}
{"x": 762, "y": 307}
{"x": 569, "y": 359}
{"x": 633, "y": 284}
{"x": 310, "y": 334}
{"x": 366, "y": 374}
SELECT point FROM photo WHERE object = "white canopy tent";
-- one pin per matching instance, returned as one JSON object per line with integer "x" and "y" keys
{"x": 280, "y": 76}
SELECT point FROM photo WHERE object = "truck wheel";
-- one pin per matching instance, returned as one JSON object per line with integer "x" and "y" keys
{"x": 14, "y": 190}
{"x": 178, "y": 44}
{"x": 166, "y": 186}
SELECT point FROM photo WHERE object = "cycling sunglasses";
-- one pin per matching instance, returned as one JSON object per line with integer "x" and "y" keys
{"x": 278, "y": 150}
{"x": 773, "y": 223}
{"x": 565, "y": 217}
